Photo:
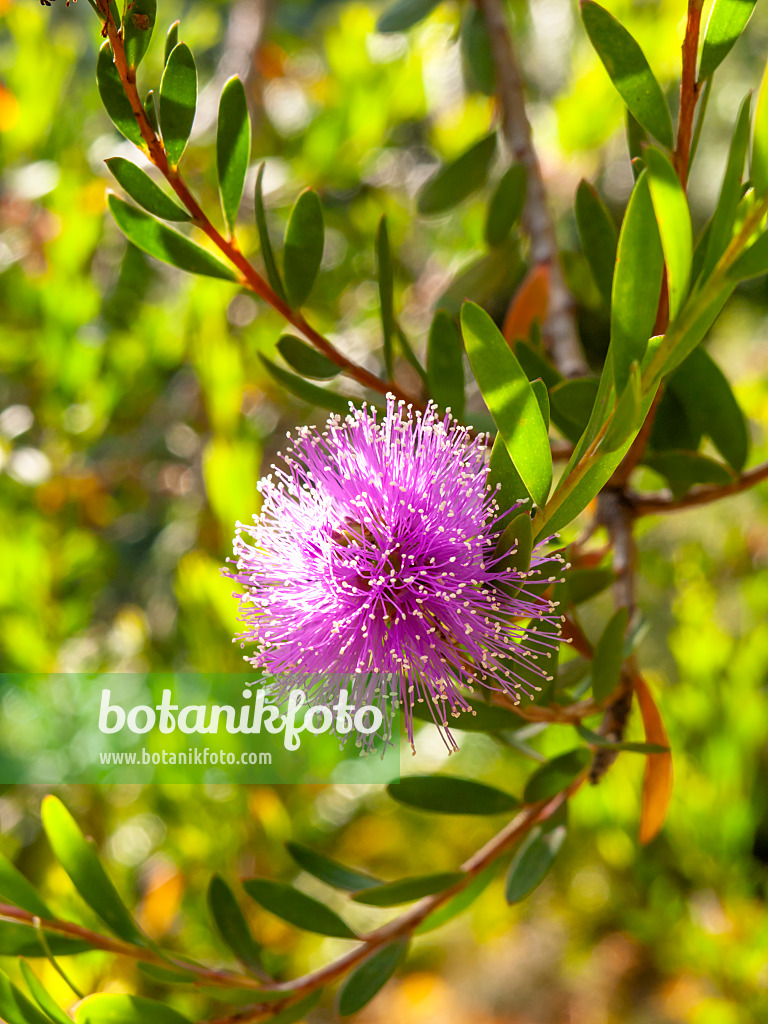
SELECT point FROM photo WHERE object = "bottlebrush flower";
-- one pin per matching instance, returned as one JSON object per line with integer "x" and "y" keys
{"x": 373, "y": 559}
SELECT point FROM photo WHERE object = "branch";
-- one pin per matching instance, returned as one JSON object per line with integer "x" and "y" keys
{"x": 644, "y": 504}
{"x": 559, "y": 330}
{"x": 250, "y": 278}
{"x": 689, "y": 90}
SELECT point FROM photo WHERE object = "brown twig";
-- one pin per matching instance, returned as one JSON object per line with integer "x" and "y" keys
{"x": 250, "y": 278}
{"x": 559, "y": 330}
{"x": 689, "y": 90}
{"x": 648, "y": 504}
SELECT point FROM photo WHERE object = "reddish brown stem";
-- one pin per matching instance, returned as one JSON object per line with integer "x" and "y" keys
{"x": 689, "y": 90}
{"x": 647, "y": 504}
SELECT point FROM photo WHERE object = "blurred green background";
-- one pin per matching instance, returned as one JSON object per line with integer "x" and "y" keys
{"x": 135, "y": 416}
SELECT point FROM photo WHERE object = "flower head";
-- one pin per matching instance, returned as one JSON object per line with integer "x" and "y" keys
{"x": 373, "y": 558}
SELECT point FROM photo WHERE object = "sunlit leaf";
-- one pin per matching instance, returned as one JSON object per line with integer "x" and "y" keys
{"x": 137, "y": 30}
{"x": 306, "y": 360}
{"x": 171, "y": 39}
{"x": 178, "y": 101}
{"x": 270, "y": 264}
{"x": 143, "y": 190}
{"x": 727, "y": 20}
{"x": 303, "y": 250}
{"x": 15, "y": 1008}
{"x": 40, "y": 994}
{"x": 113, "y": 96}
{"x": 233, "y": 148}
{"x": 674, "y": 222}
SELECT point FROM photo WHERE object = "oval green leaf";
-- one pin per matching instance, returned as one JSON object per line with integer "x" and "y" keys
{"x": 727, "y": 20}
{"x": 295, "y": 907}
{"x": 40, "y": 994}
{"x": 553, "y": 777}
{"x": 171, "y": 40}
{"x": 137, "y": 30}
{"x": 457, "y": 180}
{"x": 330, "y": 871}
{"x": 407, "y": 890}
{"x": 303, "y": 251}
{"x": 609, "y": 654}
{"x": 113, "y": 1008}
{"x": 445, "y": 364}
{"x": 599, "y": 238}
{"x": 231, "y": 924}
{"x": 506, "y": 205}
{"x": 113, "y": 97}
{"x": 307, "y": 392}
{"x": 371, "y": 976}
{"x": 405, "y": 14}
{"x": 450, "y": 794}
{"x": 476, "y": 53}
{"x": 532, "y": 862}
{"x": 18, "y": 890}
{"x": 267, "y": 254}
{"x": 674, "y": 221}
{"x": 306, "y": 360}
{"x": 233, "y": 148}
{"x": 178, "y": 101}
{"x": 144, "y": 191}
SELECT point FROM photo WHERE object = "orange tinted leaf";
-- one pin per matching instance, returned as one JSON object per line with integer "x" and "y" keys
{"x": 657, "y": 781}
{"x": 529, "y": 304}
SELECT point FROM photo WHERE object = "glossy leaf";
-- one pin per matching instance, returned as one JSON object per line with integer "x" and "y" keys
{"x": 477, "y": 56}
{"x": 113, "y": 97}
{"x": 40, "y": 994}
{"x": 532, "y": 862}
{"x": 143, "y": 190}
{"x": 657, "y": 780}
{"x": 457, "y": 180}
{"x": 674, "y": 223}
{"x": 79, "y": 859}
{"x": 552, "y": 777}
{"x": 306, "y": 360}
{"x": 171, "y": 39}
{"x": 449, "y": 794}
{"x": 724, "y": 217}
{"x": 231, "y": 923}
{"x": 303, "y": 250}
{"x": 178, "y": 101}
{"x": 307, "y": 392}
{"x": 164, "y": 243}
{"x": 608, "y": 656}
{"x": 405, "y": 14}
{"x": 294, "y": 906}
{"x": 510, "y": 400}
{"x": 407, "y": 890}
{"x": 370, "y": 977}
{"x": 15, "y": 1008}
{"x": 684, "y": 470}
{"x": 233, "y": 148}
{"x": 445, "y": 364}
{"x": 701, "y": 386}
{"x": 386, "y": 294}
{"x": 506, "y": 205}
{"x": 599, "y": 238}
{"x": 113, "y": 1008}
{"x": 727, "y": 20}
{"x": 636, "y": 283}
{"x": 330, "y": 871}
{"x": 267, "y": 254}
{"x": 629, "y": 70}
{"x": 137, "y": 30}
{"x": 16, "y": 889}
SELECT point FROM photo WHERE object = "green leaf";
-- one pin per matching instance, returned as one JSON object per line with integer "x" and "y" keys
{"x": 270, "y": 264}
{"x": 457, "y": 904}
{"x": 137, "y": 30}
{"x": 753, "y": 262}
{"x": 16, "y": 889}
{"x": 307, "y": 392}
{"x": 760, "y": 140}
{"x": 330, "y": 871}
{"x": 539, "y": 389}
{"x": 405, "y": 14}
{"x": 233, "y": 148}
{"x": 151, "y": 111}
{"x": 535, "y": 365}
{"x": 684, "y": 470}
{"x": 583, "y": 584}
{"x": 449, "y": 794}
{"x": 701, "y": 386}
{"x": 41, "y": 996}
{"x": 572, "y": 403}
{"x": 231, "y": 924}
{"x": 23, "y": 940}
{"x": 15, "y": 1008}
{"x": 114, "y": 99}
{"x": 510, "y": 400}
{"x": 306, "y": 360}
{"x": 609, "y": 654}
{"x": 532, "y": 861}
{"x": 371, "y": 976}
{"x": 407, "y": 890}
{"x": 164, "y": 243}
{"x": 626, "y": 418}
{"x": 445, "y": 364}
{"x": 143, "y": 190}
{"x": 599, "y": 238}
{"x": 481, "y": 718}
{"x": 674, "y": 222}
{"x": 636, "y": 283}
{"x": 79, "y": 859}
{"x": 297, "y": 1011}
{"x": 113, "y": 1008}
{"x": 596, "y": 740}
{"x": 171, "y": 40}
{"x": 407, "y": 349}
{"x": 629, "y": 70}
{"x": 553, "y": 777}
{"x": 727, "y": 20}
{"x": 457, "y": 180}
{"x": 476, "y": 53}
{"x": 295, "y": 907}
{"x": 506, "y": 205}
{"x": 178, "y": 100}
{"x": 516, "y": 544}
{"x": 386, "y": 294}
{"x": 504, "y": 478}
{"x": 303, "y": 251}
{"x": 724, "y": 217}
